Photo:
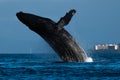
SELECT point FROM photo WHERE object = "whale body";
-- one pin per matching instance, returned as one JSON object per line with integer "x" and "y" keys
{"x": 55, "y": 35}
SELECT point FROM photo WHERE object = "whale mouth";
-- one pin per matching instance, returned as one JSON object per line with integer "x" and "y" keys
{"x": 19, "y": 13}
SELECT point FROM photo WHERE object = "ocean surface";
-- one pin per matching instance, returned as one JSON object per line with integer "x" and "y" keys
{"x": 50, "y": 67}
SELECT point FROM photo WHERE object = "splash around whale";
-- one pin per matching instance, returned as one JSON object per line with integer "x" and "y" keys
{"x": 55, "y": 35}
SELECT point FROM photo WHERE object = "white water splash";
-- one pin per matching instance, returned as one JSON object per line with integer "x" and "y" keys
{"x": 89, "y": 59}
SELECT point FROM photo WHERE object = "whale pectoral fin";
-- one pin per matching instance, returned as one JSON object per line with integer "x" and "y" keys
{"x": 66, "y": 19}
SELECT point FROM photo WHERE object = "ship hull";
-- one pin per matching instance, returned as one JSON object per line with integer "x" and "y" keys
{"x": 101, "y": 55}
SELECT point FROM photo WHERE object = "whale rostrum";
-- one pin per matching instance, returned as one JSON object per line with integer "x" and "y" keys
{"x": 55, "y": 35}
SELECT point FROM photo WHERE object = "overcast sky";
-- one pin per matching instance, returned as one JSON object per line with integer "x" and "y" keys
{"x": 96, "y": 22}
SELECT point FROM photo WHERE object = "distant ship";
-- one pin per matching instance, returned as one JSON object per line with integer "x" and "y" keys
{"x": 105, "y": 51}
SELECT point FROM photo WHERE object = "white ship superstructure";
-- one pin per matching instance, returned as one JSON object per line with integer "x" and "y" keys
{"x": 107, "y": 47}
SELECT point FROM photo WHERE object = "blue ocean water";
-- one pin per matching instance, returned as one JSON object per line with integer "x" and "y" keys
{"x": 50, "y": 67}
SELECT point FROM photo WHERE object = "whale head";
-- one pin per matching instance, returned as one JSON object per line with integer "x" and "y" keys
{"x": 36, "y": 23}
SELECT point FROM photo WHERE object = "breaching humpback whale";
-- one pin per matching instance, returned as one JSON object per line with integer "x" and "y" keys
{"x": 55, "y": 34}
